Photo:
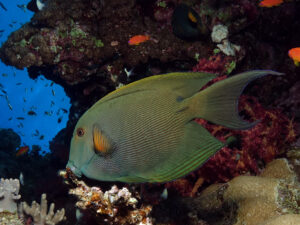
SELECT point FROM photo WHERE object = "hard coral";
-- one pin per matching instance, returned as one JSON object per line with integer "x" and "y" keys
{"x": 260, "y": 200}
{"x": 39, "y": 212}
{"x": 9, "y": 194}
{"x": 116, "y": 206}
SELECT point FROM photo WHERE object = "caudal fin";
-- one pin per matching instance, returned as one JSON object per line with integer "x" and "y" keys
{"x": 219, "y": 102}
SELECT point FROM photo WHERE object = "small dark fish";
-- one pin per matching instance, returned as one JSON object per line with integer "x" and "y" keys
{"x": 23, "y": 7}
{"x": 31, "y": 89}
{"x": 11, "y": 25}
{"x": 18, "y": 83}
{"x": 51, "y": 84}
{"x": 52, "y": 103}
{"x": 1, "y": 31}
{"x": 48, "y": 113}
{"x": 4, "y": 75}
{"x": 24, "y": 99}
{"x": 37, "y": 133}
{"x": 31, "y": 113}
{"x": 10, "y": 118}
{"x": 4, "y": 92}
{"x": 2, "y": 6}
{"x": 59, "y": 119}
{"x": 53, "y": 92}
{"x": 41, "y": 137}
{"x": 10, "y": 107}
{"x": 64, "y": 110}
{"x": 20, "y": 118}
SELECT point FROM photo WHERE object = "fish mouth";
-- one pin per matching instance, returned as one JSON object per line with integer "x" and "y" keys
{"x": 74, "y": 169}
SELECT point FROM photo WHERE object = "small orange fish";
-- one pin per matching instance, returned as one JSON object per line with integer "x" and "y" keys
{"x": 294, "y": 54}
{"x": 138, "y": 39}
{"x": 270, "y": 3}
{"x": 22, "y": 150}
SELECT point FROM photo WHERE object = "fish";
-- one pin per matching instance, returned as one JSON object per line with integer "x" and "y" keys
{"x": 22, "y": 150}
{"x": 10, "y": 106}
{"x": 145, "y": 131}
{"x": 270, "y": 3}
{"x": 53, "y": 92}
{"x": 138, "y": 39}
{"x": 59, "y": 119}
{"x": 64, "y": 110}
{"x": 19, "y": 83}
{"x": 21, "y": 179}
{"x": 36, "y": 5}
{"x": 22, "y": 6}
{"x": 31, "y": 113}
{"x": 186, "y": 23}
{"x": 20, "y": 118}
{"x": 2, "y": 6}
{"x": 294, "y": 54}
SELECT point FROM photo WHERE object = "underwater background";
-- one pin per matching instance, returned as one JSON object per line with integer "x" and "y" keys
{"x": 58, "y": 58}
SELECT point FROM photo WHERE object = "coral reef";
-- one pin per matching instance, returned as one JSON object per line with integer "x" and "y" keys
{"x": 9, "y": 194}
{"x": 39, "y": 212}
{"x": 259, "y": 200}
{"x": 115, "y": 206}
{"x": 21, "y": 214}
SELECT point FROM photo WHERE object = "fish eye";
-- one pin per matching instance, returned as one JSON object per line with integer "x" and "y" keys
{"x": 80, "y": 132}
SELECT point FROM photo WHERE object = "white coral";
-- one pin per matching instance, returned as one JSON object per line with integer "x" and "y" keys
{"x": 9, "y": 194}
{"x": 39, "y": 212}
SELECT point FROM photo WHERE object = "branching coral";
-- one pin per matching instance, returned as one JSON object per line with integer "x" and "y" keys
{"x": 116, "y": 206}
{"x": 9, "y": 194}
{"x": 39, "y": 212}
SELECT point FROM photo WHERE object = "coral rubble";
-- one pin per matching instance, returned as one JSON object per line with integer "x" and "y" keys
{"x": 116, "y": 206}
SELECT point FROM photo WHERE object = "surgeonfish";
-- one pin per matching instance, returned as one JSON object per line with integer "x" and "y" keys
{"x": 145, "y": 131}
{"x": 294, "y": 54}
{"x": 270, "y": 3}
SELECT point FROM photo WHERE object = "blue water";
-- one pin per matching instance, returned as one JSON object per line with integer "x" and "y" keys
{"x": 25, "y": 94}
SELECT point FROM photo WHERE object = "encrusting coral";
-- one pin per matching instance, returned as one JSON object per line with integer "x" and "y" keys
{"x": 268, "y": 199}
{"x": 39, "y": 212}
{"x": 116, "y": 206}
{"x": 9, "y": 194}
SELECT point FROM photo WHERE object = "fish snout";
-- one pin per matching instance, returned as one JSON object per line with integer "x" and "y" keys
{"x": 74, "y": 169}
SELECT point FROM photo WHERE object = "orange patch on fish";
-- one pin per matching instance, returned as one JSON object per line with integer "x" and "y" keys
{"x": 138, "y": 39}
{"x": 101, "y": 143}
{"x": 270, "y": 3}
{"x": 22, "y": 150}
{"x": 294, "y": 54}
